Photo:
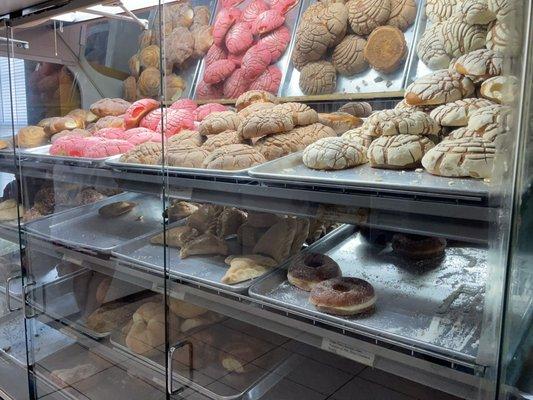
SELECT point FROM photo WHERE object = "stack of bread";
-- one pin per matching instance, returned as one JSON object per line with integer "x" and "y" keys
{"x": 186, "y": 36}
{"x": 458, "y": 27}
{"x": 336, "y": 38}
{"x": 265, "y": 239}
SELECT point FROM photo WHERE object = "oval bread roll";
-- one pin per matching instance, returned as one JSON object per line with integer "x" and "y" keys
{"x": 333, "y": 153}
{"x": 398, "y": 152}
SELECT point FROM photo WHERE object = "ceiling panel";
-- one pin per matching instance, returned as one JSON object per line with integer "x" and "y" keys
{"x": 7, "y": 6}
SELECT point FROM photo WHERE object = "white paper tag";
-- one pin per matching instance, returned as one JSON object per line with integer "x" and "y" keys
{"x": 342, "y": 349}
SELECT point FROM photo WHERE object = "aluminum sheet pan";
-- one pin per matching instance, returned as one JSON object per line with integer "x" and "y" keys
{"x": 434, "y": 306}
{"x": 202, "y": 268}
{"x": 84, "y": 228}
{"x": 291, "y": 20}
{"x": 114, "y": 162}
{"x": 291, "y": 168}
{"x": 368, "y": 81}
{"x": 43, "y": 154}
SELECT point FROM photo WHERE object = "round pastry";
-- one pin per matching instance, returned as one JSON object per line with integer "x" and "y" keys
{"x": 219, "y": 122}
{"x": 318, "y": 78}
{"x": 403, "y": 14}
{"x": 173, "y": 87}
{"x": 386, "y": 49}
{"x": 266, "y": 122}
{"x": 418, "y": 247}
{"x": 343, "y": 296}
{"x": 149, "y": 83}
{"x": 149, "y": 56}
{"x": 359, "y": 109}
{"x": 233, "y": 157}
{"x": 222, "y": 139}
{"x": 108, "y": 106}
{"x": 366, "y": 15}
{"x": 31, "y": 136}
{"x": 311, "y": 268}
{"x": 185, "y": 156}
{"x": 348, "y": 55}
{"x": 254, "y": 96}
{"x": 333, "y": 153}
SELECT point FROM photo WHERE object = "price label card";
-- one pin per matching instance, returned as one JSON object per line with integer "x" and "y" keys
{"x": 345, "y": 350}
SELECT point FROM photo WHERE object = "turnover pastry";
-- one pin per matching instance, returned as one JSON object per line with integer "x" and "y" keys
{"x": 176, "y": 237}
{"x": 179, "y": 210}
{"x": 245, "y": 267}
{"x": 205, "y": 219}
{"x": 116, "y": 209}
{"x": 386, "y": 49}
{"x": 204, "y": 244}
{"x": 277, "y": 241}
{"x": 333, "y": 153}
{"x": 229, "y": 222}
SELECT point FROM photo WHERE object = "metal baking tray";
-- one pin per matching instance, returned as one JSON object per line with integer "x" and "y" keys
{"x": 208, "y": 269}
{"x": 84, "y": 228}
{"x": 114, "y": 162}
{"x": 212, "y": 380}
{"x": 434, "y": 305}
{"x": 368, "y": 81}
{"x": 291, "y": 20}
{"x": 42, "y": 153}
{"x": 291, "y": 168}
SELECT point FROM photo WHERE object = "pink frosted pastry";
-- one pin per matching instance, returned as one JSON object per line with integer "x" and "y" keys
{"x": 225, "y": 19}
{"x": 184, "y": 104}
{"x": 252, "y": 10}
{"x": 231, "y": 3}
{"x": 205, "y": 91}
{"x": 268, "y": 21}
{"x": 236, "y": 59}
{"x": 73, "y": 146}
{"x": 141, "y": 135}
{"x": 110, "y": 147}
{"x": 110, "y": 133}
{"x": 255, "y": 61}
{"x": 235, "y": 85}
{"x": 204, "y": 110}
{"x": 151, "y": 120}
{"x": 214, "y": 53}
{"x": 284, "y": 6}
{"x": 277, "y": 42}
{"x": 135, "y": 113}
{"x": 268, "y": 80}
{"x": 239, "y": 38}
{"x": 218, "y": 71}
{"x": 174, "y": 121}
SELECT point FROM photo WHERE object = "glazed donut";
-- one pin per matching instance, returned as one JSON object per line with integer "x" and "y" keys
{"x": 417, "y": 247}
{"x": 343, "y": 296}
{"x": 308, "y": 269}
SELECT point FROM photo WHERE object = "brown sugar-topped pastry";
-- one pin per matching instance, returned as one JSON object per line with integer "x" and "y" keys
{"x": 84, "y": 116}
{"x": 145, "y": 153}
{"x": 254, "y": 96}
{"x": 186, "y": 138}
{"x": 31, "y": 136}
{"x": 308, "y": 269}
{"x": 333, "y": 153}
{"x": 302, "y": 114}
{"x": 469, "y": 157}
{"x": 339, "y": 121}
{"x": 457, "y": 113}
{"x": 348, "y": 56}
{"x": 275, "y": 146}
{"x": 398, "y": 151}
{"x": 318, "y": 78}
{"x": 480, "y": 65}
{"x": 266, "y": 122}
{"x": 149, "y": 83}
{"x": 403, "y": 14}
{"x": 343, "y": 296}
{"x": 111, "y": 121}
{"x": 225, "y": 138}
{"x": 233, "y": 157}
{"x": 245, "y": 112}
{"x": 439, "y": 87}
{"x": 366, "y": 15}
{"x": 418, "y": 247}
{"x": 149, "y": 56}
{"x": 218, "y": 122}
{"x": 129, "y": 89}
{"x": 359, "y": 109}
{"x": 185, "y": 156}
{"x": 386, "y": 49}
{"x": 107, "y": 106}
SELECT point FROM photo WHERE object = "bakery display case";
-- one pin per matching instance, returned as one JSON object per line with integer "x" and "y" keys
{"x": 266, "y": 199}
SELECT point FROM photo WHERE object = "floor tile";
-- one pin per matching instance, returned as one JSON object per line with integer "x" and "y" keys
{"x": 358, "y": 388}
{"x": 289, "y": 390}
{"x": 403, "y": 385}
{"x": 65, "y": 393}
{"x": 255, "y": 331}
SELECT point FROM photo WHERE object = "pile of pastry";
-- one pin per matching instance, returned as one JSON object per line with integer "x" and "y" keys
{"x": 458, "y": 27}
{"x": 347, "y": 39}
{"x": 186, "y": 36}
{"x": 248, "y": 42}
{"x": 265, "y": 240}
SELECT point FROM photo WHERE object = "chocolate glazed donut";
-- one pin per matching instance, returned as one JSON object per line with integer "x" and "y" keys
{"x": 417, "y": 247}
{"x": 343, "y": 296}
{"x": 311, "y": 268}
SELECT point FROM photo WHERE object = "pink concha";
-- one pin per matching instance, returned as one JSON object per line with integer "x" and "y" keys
{"x": 225, "y": 19}
{"x": 110, "y": 147}
{"x": 284, "y": 6}
{"x": 151, "y": 120}
{"x": 231, "y": 3}
{"x": 235, "y": 85}
{"x": 141, "y": 135}
{"x": 268, "y": 21}
{"x": 218, "y": 71}
{"x": 74, "y": 146}
{"x": 214, "y": 53}
{"x": 205, "y": 91}
{"x": 268, "y": 80}
{"x": 137, "y": 110}
{"x": 255, "y": 61}
{"x": 174, "y": 121}
{"x": 184, "y": 104}
{"x": 206, "y": 109}
{"x": 236, "y": 58}
{"x": 277, "y": 42}
{"x": 252, "y": 10}
{"x": 239, "y": 38}
{"x": 110, "y": 133}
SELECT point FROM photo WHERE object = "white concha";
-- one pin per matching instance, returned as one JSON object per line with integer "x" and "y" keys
{"x": 398, "y": 152}
{"x": 334, "y": 153}
{"x": 490, "y": 121}
{"x": 503, "y": 37}
{"x": 461, "y": 133}
{"x": 475, "y": 12}
{"x": 457, "y": 112}
{"x": 460, "y": 38}
{"x": 500, "y": 89}
{"x": 480, "y": 65}
{"x": 401, "y": 121}
{"x": 505, "y": 10}
{"x": 469, "y": 157}
{"x": 431, "y": 50}
{"x": 440, "y": 10}
{"x": 362, "y": 136}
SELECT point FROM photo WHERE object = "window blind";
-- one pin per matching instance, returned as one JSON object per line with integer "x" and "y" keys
{"x": 20, "y": 113}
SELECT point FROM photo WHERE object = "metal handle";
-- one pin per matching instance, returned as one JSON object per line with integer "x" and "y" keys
{"x": 8, "y": 293}
{"x": 170, "y": 355}
{"x": 27, "y": 315}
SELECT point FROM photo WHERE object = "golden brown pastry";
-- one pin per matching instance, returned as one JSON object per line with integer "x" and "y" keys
{"x": 386, "y": 49}
{"x": 184, "y": 309}
{"x": 8, "y": 210}
{"x": 130, "y": 89}
{"x": 186, "y": 138}
{"x": 145, "y": 153}
{"x": 108, "y": 106}
{"x": 205, "y": 244}
{"x": 233, "y": 157}
{"x": 248, "y": 235}
{"x": 176, "y": 237}
{"x": 149, "y": 83}
{"x": 185, "y": 156}
{"x": 148, "y": 328}
{"x": 174, "y": 86}
{"x": 58, "y": 124}
{"x": 246, "y": 267}
{"x": 229, "y": 222}
{"x": 340, "y": 122}
{"x": 149, "y": 56}
{"x": 31, "y": 136}
{"x": 205, "y": 219}
{"x": 254, "y": 96}
{"x": 180, "y": 209}
{"x": 277, "y": 241}
{"x": 225, "y": 138}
